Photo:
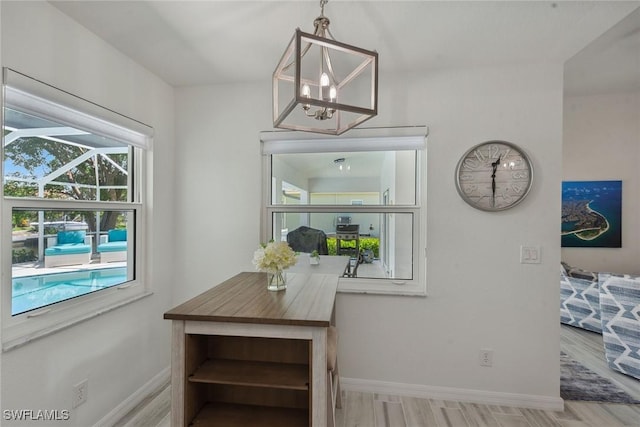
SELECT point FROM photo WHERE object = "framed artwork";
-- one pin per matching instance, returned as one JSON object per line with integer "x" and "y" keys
{"x": 592, "y": 214}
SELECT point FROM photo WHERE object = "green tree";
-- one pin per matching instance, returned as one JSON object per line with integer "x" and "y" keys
{"x": 21, "y": 189}
{"x": 40, "y": 157}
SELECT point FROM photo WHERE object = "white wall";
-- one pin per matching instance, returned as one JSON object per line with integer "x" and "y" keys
{"x": 602, "y": 142}
{"x": 480, "y": 296}
{"x": 343, "y": 185}
{"x": 218, "y": 182}
{"x": 121, "y": 350}
{"x": 284, "y": 172}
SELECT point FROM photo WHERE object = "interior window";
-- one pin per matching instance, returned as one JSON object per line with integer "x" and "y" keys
{"x": 344, "y": 178}
{"x": 378, "y": 245}
{"x": 355, "y": 202}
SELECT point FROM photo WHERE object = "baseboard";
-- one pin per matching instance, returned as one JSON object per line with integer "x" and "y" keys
{"x": 153, "y": 385}
{"x": 456, "y": 394}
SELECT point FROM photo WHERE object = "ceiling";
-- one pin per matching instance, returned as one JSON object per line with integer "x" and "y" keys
{"x": 209, "y": 42}
{"x": 609, "y": 64}
{"x": 364, "y": 164}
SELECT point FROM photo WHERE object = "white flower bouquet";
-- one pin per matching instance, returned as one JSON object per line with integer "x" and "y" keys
{"x": 274, "y": 257}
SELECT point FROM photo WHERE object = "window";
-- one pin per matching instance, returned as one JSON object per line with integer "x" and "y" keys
{"x": 358, "y": 200}
{"x": 72, "y": 208}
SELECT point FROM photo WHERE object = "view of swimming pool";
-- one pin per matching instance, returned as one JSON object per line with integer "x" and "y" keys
{"x": 31, "y": 292}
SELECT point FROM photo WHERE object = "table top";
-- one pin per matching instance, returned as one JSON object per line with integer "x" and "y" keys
{"x": 244, "y": 298}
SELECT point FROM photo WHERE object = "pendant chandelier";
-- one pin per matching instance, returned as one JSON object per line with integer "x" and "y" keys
{"x": 322, "y": 85}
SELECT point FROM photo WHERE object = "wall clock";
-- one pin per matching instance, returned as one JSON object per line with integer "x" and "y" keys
{"x": 494, "y": 176}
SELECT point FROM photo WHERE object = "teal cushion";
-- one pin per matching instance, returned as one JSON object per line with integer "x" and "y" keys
{"x": 112, "y": 247}
{"x": 117, "y": 235}
{"x": 68, "y": 249}
{"x": 65, "y": 237}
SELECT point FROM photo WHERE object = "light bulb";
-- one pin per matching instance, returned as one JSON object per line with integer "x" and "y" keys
{"x": 324, "y": 79}
{"x": 324, "y": 87}
{"x": 306, "y": 91}
{"x": 332, "y": 93}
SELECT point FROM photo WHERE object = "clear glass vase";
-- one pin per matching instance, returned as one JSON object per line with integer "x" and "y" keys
{"x": 277, "y": 281}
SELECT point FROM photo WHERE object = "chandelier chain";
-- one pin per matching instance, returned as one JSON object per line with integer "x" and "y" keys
{"x": 321, "y": 25}
{"x": 322, "y": 3}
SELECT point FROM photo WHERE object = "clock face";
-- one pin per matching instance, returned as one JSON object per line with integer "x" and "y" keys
{"x": 494, "y": 176}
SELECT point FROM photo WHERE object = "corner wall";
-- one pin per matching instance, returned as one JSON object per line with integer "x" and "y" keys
{"x": 602, "y": 142}
{"x": 124, "y": 349}
{"x": 479, "y": 295}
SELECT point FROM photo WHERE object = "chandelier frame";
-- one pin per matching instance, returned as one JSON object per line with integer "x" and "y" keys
{"x": 291, "y": 91}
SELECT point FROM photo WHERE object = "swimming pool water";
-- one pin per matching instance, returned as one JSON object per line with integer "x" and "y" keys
{"x": 31, "y": 292}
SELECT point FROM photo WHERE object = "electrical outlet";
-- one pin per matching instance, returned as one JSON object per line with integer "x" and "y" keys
{"x": 80, "y": 392}
{"x": 486, "y": 357}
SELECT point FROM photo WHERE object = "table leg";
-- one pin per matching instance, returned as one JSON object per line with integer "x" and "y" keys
{"x": 177, "y": 373}
{"x": 319, "y": 378}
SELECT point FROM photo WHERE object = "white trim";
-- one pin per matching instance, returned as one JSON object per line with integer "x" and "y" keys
{"x": 29, "y": 95}
{"x": 34, "y": 97}
{"x": 23, "y": 328}
{"x": 410, "y": 288}
{"x": 518, "y": 400}
{"x": 152, "y": 386}
{"x": 369, "y": 139}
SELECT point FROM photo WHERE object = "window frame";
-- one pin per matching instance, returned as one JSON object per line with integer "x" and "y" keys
{"x": 379, "y": 139}
{"x": 22, "y": 328}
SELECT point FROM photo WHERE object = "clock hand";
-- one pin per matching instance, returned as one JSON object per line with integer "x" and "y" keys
{"x": 494, "y": 165}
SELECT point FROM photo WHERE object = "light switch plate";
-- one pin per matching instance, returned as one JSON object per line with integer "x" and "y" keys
{"x": 529, "y": 254}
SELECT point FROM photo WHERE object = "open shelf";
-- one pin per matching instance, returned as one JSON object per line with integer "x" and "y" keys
{"x": 253, "y": 373}
{"x": 246, "y": 381}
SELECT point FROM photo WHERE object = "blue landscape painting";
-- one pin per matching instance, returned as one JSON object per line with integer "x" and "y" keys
{"x": 592, "y": 214}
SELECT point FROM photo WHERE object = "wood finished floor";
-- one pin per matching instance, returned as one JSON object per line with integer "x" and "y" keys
{"x": 375, "y": 410}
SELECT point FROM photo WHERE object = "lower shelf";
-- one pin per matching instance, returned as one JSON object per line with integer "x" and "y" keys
{"x": 234, "y": 415}
{"x": 251, "y": 373}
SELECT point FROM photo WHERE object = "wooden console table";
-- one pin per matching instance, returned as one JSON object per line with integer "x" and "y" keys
{"x": 242, "y": 355}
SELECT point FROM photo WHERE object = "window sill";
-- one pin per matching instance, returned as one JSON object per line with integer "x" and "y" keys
{"x": 381, "y": 287}
{"x": 26, "y": 337}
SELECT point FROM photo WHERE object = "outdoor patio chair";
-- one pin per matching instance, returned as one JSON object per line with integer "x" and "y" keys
{"x": 113, "y": 246}
{"x": 68, "y": 248}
